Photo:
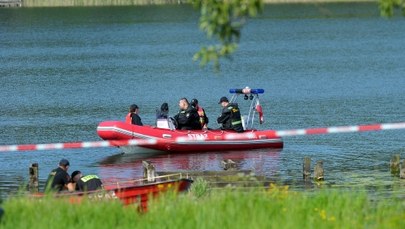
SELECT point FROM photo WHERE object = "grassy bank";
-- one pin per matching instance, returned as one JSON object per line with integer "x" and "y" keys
{"x": 59, "y": 3}
{"x": 268, "y": 208}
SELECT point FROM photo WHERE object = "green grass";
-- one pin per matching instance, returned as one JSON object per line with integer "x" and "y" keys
{"x": 275, "y": 207}
{"x": 51, "y": 3}
{"x": 58, "y": 3}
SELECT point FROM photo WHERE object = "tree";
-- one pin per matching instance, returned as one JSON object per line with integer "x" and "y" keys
{"x": 223, "y": 20}
{"x": 387, "y": 7}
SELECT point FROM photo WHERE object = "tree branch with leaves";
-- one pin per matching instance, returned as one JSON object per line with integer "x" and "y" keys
{"x": 223, "y": 20}
{"x": 387, "y": 7}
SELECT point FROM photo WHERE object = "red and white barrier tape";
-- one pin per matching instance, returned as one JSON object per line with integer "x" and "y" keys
{"x": 75, "y": 145}
{"x": 341, "y": 129}
{"x": 276, "y": 133}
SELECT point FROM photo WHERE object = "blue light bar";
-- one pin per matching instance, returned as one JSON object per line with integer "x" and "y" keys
{"x": 246, "y": 91}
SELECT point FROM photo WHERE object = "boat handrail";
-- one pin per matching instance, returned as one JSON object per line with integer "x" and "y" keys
{"x": 251, "y": 95}
{"x": 143, "y": 180}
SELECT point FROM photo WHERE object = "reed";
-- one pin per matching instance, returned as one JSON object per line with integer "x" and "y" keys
{"x": 199, "y": 187}
{"x": 273, "y": 207}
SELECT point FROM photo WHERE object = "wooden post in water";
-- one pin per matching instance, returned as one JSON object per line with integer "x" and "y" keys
{"x": 33, "y": 183}
{"x": 402, "y": 170}
{"x": 228, "y": 164}
{"x": 306, "y": 168}
{"x": 149, "y": 172}
{"x": 394, "y": 164}
{"x": 319, "y": 171}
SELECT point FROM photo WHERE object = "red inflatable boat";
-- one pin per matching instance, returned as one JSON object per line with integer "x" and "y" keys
{"x": 164, "y": 136}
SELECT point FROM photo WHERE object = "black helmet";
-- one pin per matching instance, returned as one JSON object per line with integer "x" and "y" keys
{"x": 194, "y": 102}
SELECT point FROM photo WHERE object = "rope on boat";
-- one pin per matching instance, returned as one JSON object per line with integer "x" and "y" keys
{"x": 230, "y": 136}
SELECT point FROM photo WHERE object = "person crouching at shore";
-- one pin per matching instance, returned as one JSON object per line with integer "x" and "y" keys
{"x": 85, "y": 183}
{"x": 58, "y": 179}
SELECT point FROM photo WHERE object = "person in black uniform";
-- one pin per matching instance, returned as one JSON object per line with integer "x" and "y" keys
{"x": 187, "y": 118}
{"x": 86, "y": 183}
{"x": 230, "y": 117}
{"x": 134, "y": 115}
{"x": 58, "y": 178}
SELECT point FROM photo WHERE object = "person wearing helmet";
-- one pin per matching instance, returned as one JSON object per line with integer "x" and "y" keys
{"x": 201, "y": 112}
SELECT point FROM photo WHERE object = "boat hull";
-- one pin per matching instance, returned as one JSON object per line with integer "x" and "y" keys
{"x": 129, "y": 193}
{"x": 187, "y": 140}
{"x": 140, "y": 194}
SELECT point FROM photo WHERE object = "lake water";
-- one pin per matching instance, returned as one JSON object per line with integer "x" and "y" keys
{"x": 64, "y": 70}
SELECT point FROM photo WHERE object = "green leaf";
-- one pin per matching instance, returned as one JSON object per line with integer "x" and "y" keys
{"x": 223, "y": 20}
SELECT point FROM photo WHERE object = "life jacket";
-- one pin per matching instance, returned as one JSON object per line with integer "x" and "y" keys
{"x": 236, "y": 119}
{"x": 202, "y": 115}
{"x": 128, "y": 118}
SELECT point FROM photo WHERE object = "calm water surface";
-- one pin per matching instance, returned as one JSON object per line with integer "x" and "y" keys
{"x": 64, "y": 70}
